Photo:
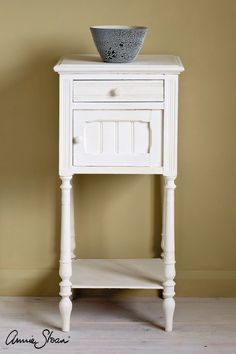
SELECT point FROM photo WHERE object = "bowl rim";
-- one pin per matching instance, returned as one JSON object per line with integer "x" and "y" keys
{"x": 118, "y": 27}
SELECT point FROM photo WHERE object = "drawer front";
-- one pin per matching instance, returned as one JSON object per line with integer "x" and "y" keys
{"x": 117, "y": 137}
{"x": 119, "y": 90}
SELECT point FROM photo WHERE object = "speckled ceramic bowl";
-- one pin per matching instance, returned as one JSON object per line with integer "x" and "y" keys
{"x": 118, "y": 44}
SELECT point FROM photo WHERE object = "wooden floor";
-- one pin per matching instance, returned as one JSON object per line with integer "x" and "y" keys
{"x": 124, "y": 327}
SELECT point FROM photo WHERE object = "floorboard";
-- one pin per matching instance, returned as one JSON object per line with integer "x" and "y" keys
{"x": 134, "y": 325}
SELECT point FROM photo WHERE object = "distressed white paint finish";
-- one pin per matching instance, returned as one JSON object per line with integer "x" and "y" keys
{"x": 65, "y": 126}
{"x": 130, "y": 170}
{"x": 117, "y": 138}
{"x": 117, "y": 105}
{"x": 118, "y": 273}
{"x": 169, "y": 254}
{"x": 72, "y": 222}
{"x": 65, "y": 270}
{"x": 170, "y": 125}
{"x": 163, "y": 216}
{"x": 117, "y": 90}
{"x": 118, "y": 119}
{"x": 145, "y": 65}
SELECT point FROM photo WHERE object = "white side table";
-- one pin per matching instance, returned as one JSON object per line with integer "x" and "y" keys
{"x": 115, "y": 119}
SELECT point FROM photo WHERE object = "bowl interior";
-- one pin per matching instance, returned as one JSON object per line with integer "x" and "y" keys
{"x": 118, "y": 27}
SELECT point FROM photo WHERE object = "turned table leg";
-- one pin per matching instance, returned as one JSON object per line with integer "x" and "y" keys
{"x": 72, "y": 222}
{"x": 169, "y": 254}
{"x": 65, "y": 270}
{"x": 163, "y": 217}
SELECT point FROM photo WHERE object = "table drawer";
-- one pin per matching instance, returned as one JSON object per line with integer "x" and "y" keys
{"x": 118, "y": 90}
{"x": 117, "y": 137}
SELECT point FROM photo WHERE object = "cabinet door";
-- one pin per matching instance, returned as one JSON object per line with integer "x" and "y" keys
{"x": 117, "y": 137}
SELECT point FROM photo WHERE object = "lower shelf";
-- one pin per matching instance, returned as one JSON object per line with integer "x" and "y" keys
{"x": 118, "y": 273}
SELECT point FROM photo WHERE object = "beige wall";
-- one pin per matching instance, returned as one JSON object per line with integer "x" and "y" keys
{"x": 116, "y": 214}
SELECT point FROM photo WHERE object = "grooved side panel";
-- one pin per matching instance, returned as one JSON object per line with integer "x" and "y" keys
{"x": 65, "y": 126}
{"x": 170, "y": 125}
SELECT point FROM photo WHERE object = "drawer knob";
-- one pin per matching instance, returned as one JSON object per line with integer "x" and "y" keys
{"x": 115, "y": 92}
{"x": 77, "y": 140}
